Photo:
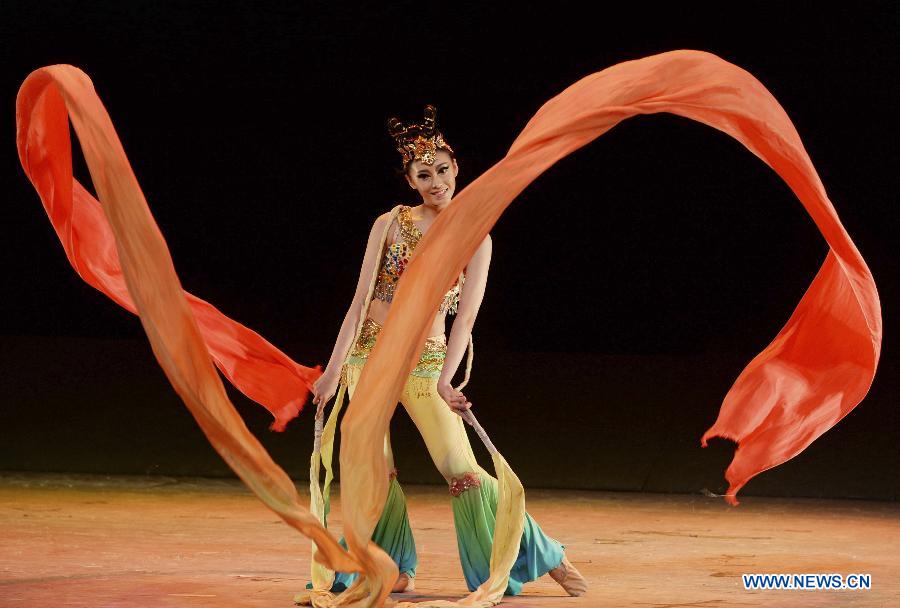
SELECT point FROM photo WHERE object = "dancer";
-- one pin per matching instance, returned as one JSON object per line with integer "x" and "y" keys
{"x": 435, "y": 407}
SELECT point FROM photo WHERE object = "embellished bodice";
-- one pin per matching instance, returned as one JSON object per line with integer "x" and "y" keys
{"x": 396, "y": 257}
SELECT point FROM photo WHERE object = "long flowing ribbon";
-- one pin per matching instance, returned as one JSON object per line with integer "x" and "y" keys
{"x": 323, "y": 453}
{"x": 118, "y": 248}
{"x": 93, "y": 245}
{"x": 814, "y": 372}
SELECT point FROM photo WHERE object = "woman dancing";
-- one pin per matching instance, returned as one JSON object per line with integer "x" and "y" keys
{"x": 435, "y": 407}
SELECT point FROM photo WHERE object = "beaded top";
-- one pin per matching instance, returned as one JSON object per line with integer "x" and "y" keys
{"x": 397, "y": 256}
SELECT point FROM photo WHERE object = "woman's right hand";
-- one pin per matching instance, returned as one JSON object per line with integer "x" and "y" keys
{"x": 324, "y": 389}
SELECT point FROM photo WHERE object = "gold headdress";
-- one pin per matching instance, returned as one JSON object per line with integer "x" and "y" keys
{"x": 418, "y": 141}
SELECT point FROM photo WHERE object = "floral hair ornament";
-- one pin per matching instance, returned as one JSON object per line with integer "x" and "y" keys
{"x": 418, "y": 141}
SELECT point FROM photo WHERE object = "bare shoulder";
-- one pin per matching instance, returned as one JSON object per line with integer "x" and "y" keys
{"x": 386, "y": 216}
{"x": 381, "y": 221}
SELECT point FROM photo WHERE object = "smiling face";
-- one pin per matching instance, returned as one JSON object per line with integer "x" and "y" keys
{"x": 431, "y": 180}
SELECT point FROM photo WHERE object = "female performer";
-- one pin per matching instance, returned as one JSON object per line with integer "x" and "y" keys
{"x": 435, "y": 407}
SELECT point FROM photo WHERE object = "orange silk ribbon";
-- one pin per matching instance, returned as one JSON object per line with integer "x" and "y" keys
{"x": 94, "y": 245}
{"x": 814, "y": 372}
{"x": 118, "y": 248}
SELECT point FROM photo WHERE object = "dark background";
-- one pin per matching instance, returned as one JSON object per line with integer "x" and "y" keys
{"x": 629, "y": 286}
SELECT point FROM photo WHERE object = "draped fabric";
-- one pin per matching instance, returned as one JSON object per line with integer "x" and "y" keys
{"x": 94, "y": 245}
{"x": 813, "y": 373}
{"x": 118, "y": 248}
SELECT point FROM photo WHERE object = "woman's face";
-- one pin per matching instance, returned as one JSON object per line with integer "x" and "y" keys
{"x": 431, "y": 180}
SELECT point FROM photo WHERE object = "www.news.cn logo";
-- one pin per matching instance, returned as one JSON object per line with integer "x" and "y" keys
{"x": 807, "y": 581}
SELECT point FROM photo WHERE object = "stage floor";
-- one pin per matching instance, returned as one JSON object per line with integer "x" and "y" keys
{"x": 86, "y": 540}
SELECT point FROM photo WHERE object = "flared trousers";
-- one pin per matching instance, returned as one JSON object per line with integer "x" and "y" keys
{"x": 472, "y": 490}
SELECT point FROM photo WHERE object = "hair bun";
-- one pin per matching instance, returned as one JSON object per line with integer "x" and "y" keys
{"x": 418, "y": 141}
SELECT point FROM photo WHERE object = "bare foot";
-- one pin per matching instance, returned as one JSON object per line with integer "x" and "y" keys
{"x": 569, "y": 578}
{"x": 404, "y": 583}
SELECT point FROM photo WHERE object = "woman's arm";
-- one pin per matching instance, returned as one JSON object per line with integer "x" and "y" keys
{"x": 351, "y": 320}
{"x": 469, "y": 302}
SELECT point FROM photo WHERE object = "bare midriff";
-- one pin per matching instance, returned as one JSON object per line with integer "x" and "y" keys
{"x": 378, "y": 311}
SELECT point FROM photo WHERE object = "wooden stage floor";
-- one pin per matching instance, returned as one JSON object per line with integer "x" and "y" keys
{"x": 118, "y": 541}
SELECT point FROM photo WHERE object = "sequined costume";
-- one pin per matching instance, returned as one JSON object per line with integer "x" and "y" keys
{"x": 397, "y": 256}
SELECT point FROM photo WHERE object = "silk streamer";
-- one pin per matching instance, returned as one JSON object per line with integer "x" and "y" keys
{"x": 127, "y": 244}
{"x": 253, "y": 365}
{"x": 813, "y": 373}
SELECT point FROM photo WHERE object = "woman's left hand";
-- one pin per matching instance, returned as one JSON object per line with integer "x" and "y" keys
{"x": 454, "y": 398}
